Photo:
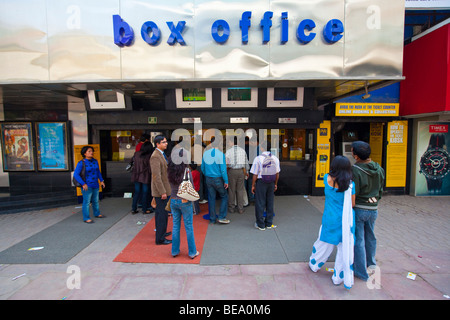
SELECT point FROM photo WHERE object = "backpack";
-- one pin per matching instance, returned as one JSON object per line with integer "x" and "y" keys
{"x": 269, "y": 169}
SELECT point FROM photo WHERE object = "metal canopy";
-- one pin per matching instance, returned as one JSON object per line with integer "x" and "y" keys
{"x": 46, "y": 94}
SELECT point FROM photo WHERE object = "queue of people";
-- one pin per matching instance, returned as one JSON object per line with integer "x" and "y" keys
{"x": 352, "y": 194}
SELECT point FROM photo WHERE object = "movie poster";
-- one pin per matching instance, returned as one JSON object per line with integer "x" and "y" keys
{"x": 433, "y": 159}
{"x": 52, "y": 152}
{"x": 17, "y": 147}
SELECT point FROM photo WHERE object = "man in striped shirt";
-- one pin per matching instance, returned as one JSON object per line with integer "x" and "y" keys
{"x": 237, "y": 166}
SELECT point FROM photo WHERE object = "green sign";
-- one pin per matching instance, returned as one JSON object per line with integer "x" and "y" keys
{"x": 152, "y": 120}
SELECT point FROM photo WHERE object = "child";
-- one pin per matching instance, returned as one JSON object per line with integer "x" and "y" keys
{"x": 338, "y": 227}
{"x": 196, "y": 182}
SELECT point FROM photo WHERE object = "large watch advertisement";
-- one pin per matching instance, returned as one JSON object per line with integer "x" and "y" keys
{"x": 433, "y": 176}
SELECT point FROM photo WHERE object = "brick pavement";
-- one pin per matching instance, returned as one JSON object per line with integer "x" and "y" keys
{"x": 412, "y": 236}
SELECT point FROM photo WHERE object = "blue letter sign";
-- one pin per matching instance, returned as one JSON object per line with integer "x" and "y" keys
{"x": 220, "y": 30}
{"x": 306, "y": 24}
{"x": 148, "y": 27}
{"x": 266, "y": 23}
{"x": 220, "y": 25}
{"x": 123, "y": 34}
{"x": 244, "y": 24}
{"x": 332, "y": 31}
{"x": 176, "y": 33}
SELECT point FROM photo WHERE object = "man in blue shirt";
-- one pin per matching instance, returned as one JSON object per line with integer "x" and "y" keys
{"x": 214, "y": 168}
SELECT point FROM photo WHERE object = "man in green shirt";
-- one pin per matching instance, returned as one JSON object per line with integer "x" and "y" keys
{"x": 369, "y": 181}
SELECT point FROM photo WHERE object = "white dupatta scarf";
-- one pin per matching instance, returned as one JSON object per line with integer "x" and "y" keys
{"x": 348, "y": 238}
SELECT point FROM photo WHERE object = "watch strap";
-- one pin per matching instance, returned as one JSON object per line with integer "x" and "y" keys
{"x": 437, "y": 140}
{"x": 434, "y": 184}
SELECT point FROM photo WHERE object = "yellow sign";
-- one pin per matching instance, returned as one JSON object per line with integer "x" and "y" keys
{"x": 125, "y": 133}
{"x": 78, "y": 157}
{"x": 352, "y": 109}
{"x": 376, "y": 141}
{"x": 323, "y": 152}
{"x": 396, "y": 153}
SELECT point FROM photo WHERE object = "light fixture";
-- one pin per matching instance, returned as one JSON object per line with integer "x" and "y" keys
{"x": 367, "y": 95}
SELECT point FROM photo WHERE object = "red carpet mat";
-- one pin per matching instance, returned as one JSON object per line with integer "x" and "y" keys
{"x": 142, "y": 249}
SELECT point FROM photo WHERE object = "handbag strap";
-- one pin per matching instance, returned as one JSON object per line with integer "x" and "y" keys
{"x": 186, "y": 174}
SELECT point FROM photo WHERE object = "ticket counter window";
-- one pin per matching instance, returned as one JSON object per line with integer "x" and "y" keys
{"x": 296, "y": 144}
{"x": 123, "y": 144}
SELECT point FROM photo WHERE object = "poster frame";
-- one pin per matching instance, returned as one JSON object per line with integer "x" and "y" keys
{"x": 65, "y": 147}
{"x": 30, "y": 145}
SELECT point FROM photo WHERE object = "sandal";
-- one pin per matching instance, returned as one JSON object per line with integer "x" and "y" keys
{"x": 194, "y": 255}
{"x": 89, "y": 221}
{"x": 100, "y": 216}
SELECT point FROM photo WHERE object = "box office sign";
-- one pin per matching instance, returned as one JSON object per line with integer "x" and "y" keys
{"x": 202, "y": 39}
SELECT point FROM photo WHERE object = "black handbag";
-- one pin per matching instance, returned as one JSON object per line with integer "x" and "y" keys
{"x": 82, "y": 175}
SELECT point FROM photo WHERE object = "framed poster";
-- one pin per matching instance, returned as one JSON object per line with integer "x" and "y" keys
{"x": 52, "y": 151}
{"x": 17, "y": 146}
{"x": 433, "y": 159}
{"x": 396, "y": 153}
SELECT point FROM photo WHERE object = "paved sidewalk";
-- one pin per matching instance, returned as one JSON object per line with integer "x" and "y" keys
{"x": 413, "y": 236}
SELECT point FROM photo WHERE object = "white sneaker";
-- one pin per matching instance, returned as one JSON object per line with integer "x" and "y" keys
{"x": 256, "y": 226}
{"x": 272, "y": 227}
{"x": 224, "y": 221}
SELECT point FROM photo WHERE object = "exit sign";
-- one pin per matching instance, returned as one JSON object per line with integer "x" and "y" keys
{"x": 152, "y": 120}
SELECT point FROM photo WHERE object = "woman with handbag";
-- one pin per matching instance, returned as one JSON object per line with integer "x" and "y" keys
{"x": 87, "y": 173}
{"x": 141, "y": 176}
{"x": 179, "y": 177}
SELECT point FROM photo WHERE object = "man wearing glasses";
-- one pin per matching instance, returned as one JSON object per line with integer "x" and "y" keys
{"x": 160, "y": 189}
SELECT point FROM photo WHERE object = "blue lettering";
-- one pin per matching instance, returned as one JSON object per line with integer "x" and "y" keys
{"x": 176, "y": 33}
{"x": 220, "y": 30}
{"x": 220, "y": 25}
{"x": 148, "y": 27}
{"x": 123, "y": 34}
{"x": 306, "y": 24}
{"x": 266, "y": 23}
{"x": 284, "y": 27}
{"x": 333, "y": 31}
{"x": 245, "y": 24}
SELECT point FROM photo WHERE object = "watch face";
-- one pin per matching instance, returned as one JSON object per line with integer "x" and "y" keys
{"x": 434, "y": 163}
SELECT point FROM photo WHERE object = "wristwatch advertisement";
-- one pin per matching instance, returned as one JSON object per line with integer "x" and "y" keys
{"x": 434, "y": 163}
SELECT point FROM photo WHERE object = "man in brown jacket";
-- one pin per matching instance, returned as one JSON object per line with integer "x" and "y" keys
{"x": 160, "y": 189}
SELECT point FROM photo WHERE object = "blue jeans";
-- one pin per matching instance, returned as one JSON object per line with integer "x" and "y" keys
{"x": 365, "y": 241}
{"x": 140, "y": 193}
{"x": 186, "y": 210}
{"x": 90, "y": 195}
{"x": 264, "y": 199}
{"x": 215, "y": 186}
